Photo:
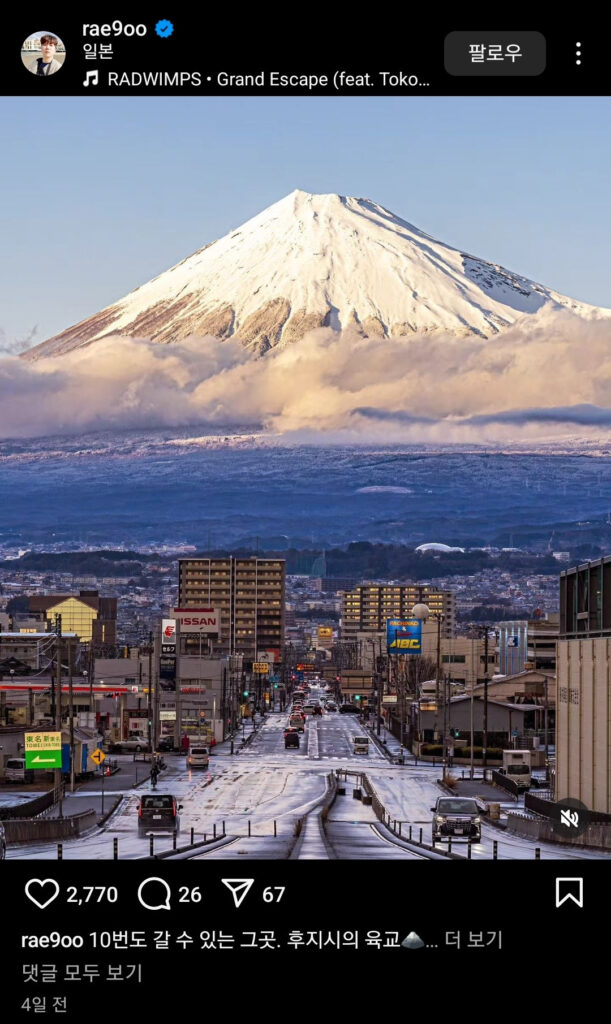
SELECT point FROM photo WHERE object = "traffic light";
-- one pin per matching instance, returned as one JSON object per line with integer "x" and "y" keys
{"x": 275, "y": 686}
{"x": 357, "y": 696}
{"x": 245, "y": 693}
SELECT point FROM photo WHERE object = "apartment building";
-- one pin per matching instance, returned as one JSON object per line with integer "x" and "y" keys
{"x": 366, "y": 607}
{"x": 250, "y": 594}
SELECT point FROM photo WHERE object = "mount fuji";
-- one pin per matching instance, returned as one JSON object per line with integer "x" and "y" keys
{"x": 313, "y": 261}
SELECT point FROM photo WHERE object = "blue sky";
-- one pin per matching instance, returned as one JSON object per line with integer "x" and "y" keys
{"x": 101, "y": 194}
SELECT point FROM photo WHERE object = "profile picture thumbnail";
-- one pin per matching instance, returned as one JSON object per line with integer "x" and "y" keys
{"x": 43, "y": 53}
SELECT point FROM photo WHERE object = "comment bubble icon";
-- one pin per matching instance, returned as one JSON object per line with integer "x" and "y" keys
{"x": 153, "y": 899}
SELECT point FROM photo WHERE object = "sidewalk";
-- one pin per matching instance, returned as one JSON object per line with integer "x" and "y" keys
{"x": 390, "y": 744}
{"x": 224, "y": 748}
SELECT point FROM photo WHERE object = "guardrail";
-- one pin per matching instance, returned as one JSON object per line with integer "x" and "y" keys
{"x": 23, "y": 830}
{"x": 597, "y": 835}
{"x": 549, "y": 809}
{"x": 505, "y": 783}
{"x": 32, "y": 808}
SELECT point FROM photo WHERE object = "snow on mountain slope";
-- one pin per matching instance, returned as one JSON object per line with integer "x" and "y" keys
{"x": 319, "y": 260}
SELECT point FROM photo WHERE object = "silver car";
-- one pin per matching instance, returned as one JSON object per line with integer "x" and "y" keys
{"x": 134, "y": 743}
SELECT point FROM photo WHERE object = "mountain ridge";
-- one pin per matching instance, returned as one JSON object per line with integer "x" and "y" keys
{"x": 310, "y": 261}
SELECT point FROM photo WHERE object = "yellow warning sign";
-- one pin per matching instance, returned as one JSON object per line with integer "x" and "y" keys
{"x": 98, "y": 756}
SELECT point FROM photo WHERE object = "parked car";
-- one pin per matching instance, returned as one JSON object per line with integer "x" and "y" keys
{"x": 158, "y": 812}
{"x": 348, "y": 709}
{"x": 134, "y": 743}
{"x": 16, "y": 771}
{"x": 166, "y": 743}
{"x": 456, "y": 817}
{"x": 2, "y": 842}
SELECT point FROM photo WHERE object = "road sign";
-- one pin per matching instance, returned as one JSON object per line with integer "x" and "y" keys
{"x": 43, "y": 749}
{"x": 514, "y": 732}
{"x": 98, "y": 756}
{"x": 260, "y": 666}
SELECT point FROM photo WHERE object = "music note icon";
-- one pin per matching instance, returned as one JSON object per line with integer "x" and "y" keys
{"x": 91, "y": 78}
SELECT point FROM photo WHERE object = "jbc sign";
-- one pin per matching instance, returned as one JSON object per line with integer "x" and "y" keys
{"x": 404, "y": 636}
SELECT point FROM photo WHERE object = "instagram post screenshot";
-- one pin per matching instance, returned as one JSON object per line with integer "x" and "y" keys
{"x": 305, "y": 533}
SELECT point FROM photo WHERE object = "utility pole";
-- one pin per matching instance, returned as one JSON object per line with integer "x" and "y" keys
{"x": 71, "y": 713}
{"x": 472, "y": 686}
{"x": 485, "y": 736}
{"x": 379, "y": 688}
{"x": 445, "y": 724}
{"x": 56, "y": 708}
{"x": 156, "y": 704}
{"x": 546, "y": 735}
{"x": 56, "y": 679}
{"x": 439, "y": 617}
{"x": 149, "y": 703}
{"x": 91, "y": 663}
{"x": 178, "y": 728}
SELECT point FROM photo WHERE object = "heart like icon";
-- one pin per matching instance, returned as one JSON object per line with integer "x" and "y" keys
{"x": 42, "y": 882}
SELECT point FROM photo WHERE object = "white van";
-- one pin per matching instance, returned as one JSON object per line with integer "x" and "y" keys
{"x": 198, "y": 757}
{"x": 15, "y": 770}
{"x": 360, "y": 744}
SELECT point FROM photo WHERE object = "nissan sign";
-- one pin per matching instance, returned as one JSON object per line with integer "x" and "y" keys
{"x": 198, "y": 620}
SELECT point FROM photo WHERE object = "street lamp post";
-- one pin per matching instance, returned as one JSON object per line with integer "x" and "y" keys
{"x": 422, "y": 612}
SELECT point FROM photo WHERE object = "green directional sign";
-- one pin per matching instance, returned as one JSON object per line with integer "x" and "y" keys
{"x": 43, "y": 750}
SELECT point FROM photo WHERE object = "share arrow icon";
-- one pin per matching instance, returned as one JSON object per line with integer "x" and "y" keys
{"x": 238, "y": 887}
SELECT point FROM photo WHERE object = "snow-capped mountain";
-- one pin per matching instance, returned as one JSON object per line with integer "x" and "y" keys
{"x": 319, "y": 260}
